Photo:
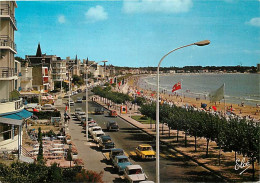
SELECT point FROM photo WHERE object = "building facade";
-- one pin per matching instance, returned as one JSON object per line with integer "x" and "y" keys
{"x": 26, "y": 78}
{"x": 12, "y": 111}
{"x": 41, "y": 70}
{"x": 59, "y": 70}
{"x": 8, "y": 66}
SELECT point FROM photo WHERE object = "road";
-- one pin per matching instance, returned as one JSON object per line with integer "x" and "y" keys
{"x": 173, "y": 166}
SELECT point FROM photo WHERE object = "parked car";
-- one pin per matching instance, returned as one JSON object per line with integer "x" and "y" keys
{"x": 77, "y": 110}
{"x": 144, "y": 152}
{"x": 112, "y": 113}
{"x": 71, "y": 102}
{"x": 79, "y": 100}
{"x": 94, "y": 129}
{"x": 48, "y": 107}
{"x": 99, "y": 110}
{"x": 105, "y": 143}
{"x": 80, "y": 115}
{"x": 32, "y": 105}
{"x": 134, "y": 173}
{"x": 121, "y": 162}
{"x": 84, "y": 97}
{"x": 79, "y": 90}
{"x": 74, "y": 92}
{"x": 115, "y": 152}
{"x": 90, "y": 120}
{"x": 112, "y": 126}
{"x": 66, "y": 95}
{"x": 96, "y": 135}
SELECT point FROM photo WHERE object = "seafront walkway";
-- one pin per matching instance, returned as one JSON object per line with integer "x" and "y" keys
{"x": 219, "y": 162}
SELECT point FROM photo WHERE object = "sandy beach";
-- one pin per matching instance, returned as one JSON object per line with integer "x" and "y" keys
{"x": 250, "y": 112}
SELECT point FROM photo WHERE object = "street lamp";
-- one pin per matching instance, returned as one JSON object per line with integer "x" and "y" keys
{"x": 200, "y": 43}
{"x": 69, "y": 85}
{"x": 87, "y": 67}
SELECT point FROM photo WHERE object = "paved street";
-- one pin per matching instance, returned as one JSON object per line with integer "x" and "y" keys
{"x": 173, "y": 167}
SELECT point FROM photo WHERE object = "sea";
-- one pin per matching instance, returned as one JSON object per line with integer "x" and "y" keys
{"x": 239, "y": 87}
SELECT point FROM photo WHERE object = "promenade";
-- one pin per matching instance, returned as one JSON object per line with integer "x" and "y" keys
{"x": 222, "y": 167}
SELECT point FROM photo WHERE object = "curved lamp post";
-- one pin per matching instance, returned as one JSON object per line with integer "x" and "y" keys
{"x": 87, "y": 67}
{"x": 200, "y": 43}
{"x": 70, "y": 83}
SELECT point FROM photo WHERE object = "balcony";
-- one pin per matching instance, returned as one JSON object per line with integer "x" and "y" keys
{"x": 6, "y": 11}
{"x": 5, "y": 41}
{"x": 6, "y": 72}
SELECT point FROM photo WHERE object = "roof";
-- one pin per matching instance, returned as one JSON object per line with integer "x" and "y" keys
{"x": 145, "y": 145}
{"x": 106, "y": 137}
{"x": 121, "y": 157}
{"x": 130, "y": 167}
{"x": 11, "y": 121}
{"x": 99, "y": 132}
{"x": 22, "y": 114}
{"x": 117, "y": 149}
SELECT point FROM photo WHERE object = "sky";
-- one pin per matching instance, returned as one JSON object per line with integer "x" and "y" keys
{"x": 138, "y": 33}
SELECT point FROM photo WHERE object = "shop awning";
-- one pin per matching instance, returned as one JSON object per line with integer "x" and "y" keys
{"x": 12, "y": 116}
{"x": 23, "y": 114}
{"x": 11, "y": 121}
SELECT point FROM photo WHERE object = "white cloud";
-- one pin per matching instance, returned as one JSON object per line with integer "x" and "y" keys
{"x": 161, "y": 6}
{"x": 61, "y": 19}
{"x": 95, "y": 14}
{"x": 255, "y": 22}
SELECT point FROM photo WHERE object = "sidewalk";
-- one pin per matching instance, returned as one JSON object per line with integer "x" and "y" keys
{"x": 225, "y": 170}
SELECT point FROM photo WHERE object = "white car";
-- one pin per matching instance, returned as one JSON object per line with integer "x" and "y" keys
{"x": 48, "y": 107}
{"x": 80, "y": 114}
{"x": 77, "y": 110}
{"x": 134, "y": 173}
{"x": 96, "y": 135}
{"x": 94, "y": 129}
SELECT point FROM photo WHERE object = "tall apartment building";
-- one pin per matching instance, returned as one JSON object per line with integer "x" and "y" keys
{"x": 59, "y": 70}
{"x": 12, "y": 112}
{"x": 8, "y": 66}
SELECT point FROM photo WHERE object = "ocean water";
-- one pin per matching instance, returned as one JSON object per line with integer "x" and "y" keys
{"x": 238, "y": 87}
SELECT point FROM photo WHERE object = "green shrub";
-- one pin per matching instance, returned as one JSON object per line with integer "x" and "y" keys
{"x": 36, "y": 172}
{"x": 47, "y": 114}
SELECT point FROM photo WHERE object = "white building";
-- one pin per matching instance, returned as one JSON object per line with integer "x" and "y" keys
{"x": 26, "y": 78}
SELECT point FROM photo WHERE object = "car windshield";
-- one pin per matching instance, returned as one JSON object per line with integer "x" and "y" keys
{"x": 146, "y": 148}
{"x": 135, "y": 171}
{"x": 118, "y": 153}
{"x": 123, "y": 160}
{"x": 96, "y": 129}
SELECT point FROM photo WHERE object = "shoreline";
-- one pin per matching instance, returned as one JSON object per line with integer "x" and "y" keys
{"x": 250, "y": 112}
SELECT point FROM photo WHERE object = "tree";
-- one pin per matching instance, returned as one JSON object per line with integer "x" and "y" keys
{"x": 57, "y": 85}
{"x": 77, "y": 80}
{"x": 40, "y": 153}
{"x": 69, "y": 156}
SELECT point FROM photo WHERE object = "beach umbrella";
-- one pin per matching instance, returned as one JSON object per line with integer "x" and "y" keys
{"x": 214, "y": 108}
{"x": 203, "y": 105}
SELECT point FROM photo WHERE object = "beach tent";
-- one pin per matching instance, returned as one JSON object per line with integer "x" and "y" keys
{"x": 214, "y": 108}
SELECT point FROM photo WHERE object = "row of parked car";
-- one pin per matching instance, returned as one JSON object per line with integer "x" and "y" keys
{"x": 116, "y": 156}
